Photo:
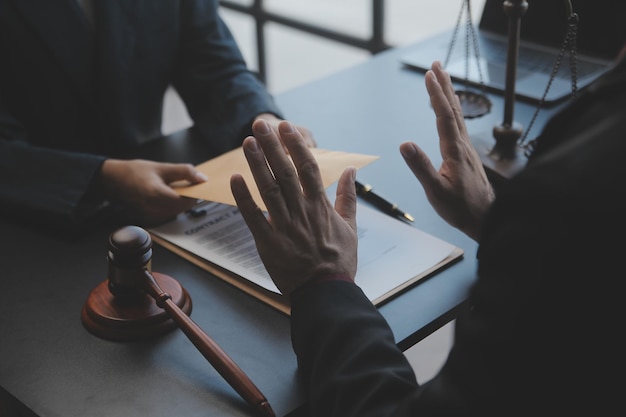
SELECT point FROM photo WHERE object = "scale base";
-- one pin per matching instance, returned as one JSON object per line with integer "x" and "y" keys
{"x": 500, "y": 166}
{"x": 122, "y": 320}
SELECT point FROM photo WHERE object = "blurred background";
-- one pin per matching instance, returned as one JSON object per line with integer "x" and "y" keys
{"x": 294, "y": 57}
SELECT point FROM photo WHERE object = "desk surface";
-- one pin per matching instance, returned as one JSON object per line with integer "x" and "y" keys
{"x": 54, "y": 367}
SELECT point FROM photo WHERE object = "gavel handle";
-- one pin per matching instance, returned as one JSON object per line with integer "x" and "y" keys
{"x": 216, "y": 356}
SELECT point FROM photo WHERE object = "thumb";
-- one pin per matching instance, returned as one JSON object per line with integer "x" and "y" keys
{"x": 178, "y": 172}
{"x": 345, "y": 201}
{"x": 420, "y": 164}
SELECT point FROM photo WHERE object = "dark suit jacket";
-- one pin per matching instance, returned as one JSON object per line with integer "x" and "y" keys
{"x": 543, "y": 328}
{"x": 71, "y": 95}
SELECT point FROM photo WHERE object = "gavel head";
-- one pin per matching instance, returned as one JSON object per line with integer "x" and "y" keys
{"x": 129, "y": 255}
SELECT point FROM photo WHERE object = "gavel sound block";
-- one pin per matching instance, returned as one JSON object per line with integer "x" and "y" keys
{"x": 135, "y": 304}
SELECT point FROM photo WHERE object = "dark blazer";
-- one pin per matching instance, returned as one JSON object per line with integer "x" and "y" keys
{"x": 543, "y": 328}
{"x": 72, "y": 94}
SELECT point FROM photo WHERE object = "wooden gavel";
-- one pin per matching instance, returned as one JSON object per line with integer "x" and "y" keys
{"x": 134, "y": 303}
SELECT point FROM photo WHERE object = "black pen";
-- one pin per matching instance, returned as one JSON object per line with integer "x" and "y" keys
{"x": 365, "y": 191}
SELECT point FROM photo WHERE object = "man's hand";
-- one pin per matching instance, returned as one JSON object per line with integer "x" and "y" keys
{"x": 460, "y": 191}
{"x": 143, "y": 186}
{"x": 303, "y": 236}
{"x": 274, "y": 121}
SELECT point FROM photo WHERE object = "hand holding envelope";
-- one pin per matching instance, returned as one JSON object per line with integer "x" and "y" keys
{"x": 220, "y": 169}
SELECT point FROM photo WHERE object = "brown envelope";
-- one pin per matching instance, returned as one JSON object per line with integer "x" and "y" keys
{"x": 220, "y": 169}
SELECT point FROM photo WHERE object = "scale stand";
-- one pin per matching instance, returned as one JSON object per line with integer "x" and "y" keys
{"x": 506, "y": 157}
{"x": 510, "y": 152}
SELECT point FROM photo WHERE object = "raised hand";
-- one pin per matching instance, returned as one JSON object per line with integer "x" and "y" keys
{"x": 459, "y": 191}
{"x": 303, "y": 236}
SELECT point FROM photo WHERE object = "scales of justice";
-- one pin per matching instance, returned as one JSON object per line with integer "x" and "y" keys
{"x": 507, "y": 151}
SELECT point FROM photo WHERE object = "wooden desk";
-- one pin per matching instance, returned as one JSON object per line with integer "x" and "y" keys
{"x": 51, "y": 366}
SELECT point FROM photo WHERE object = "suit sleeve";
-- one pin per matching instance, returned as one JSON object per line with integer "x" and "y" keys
{"x": 351, "y": 366}
{"x": 221, "y": 94}
{"x": 347, "y": 354}
{"x": 47, "y": 187}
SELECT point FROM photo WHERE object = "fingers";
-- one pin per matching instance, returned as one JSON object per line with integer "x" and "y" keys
{"x": 308, "y": 170}
{"x": 345, "y": 202}
{"x": 274, "y": 122}
{"x": 445, "y": 102}
{"x": 447, "y": 125}
{"x": 252, "y": 214}
{"x": 271, "y": 168}
{"x": 282, "y": 191}
{"x": 284, "y": 177}
{"x": 443, "y": 79}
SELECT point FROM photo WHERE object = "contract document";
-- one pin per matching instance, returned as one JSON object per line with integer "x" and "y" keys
{"x": 391, "y": 254}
